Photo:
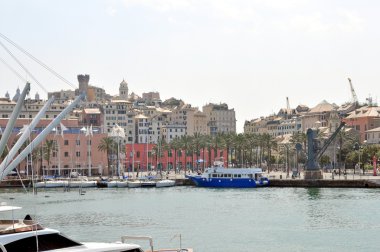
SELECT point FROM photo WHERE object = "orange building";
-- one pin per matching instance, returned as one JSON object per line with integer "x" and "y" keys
{"x": 363, "y": 119}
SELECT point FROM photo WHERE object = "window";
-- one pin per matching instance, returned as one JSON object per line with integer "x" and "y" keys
{"x": 138, "y": 154}
{"x": 66, "y": 154}
{"x": 66, "y": 142}
{"x": 77, "y": 142}
{"x": 77, "y": 153}
{"x": 45, "y": 242}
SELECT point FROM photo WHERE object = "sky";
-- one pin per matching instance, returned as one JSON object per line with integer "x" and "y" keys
{"x": 248, "y": 54}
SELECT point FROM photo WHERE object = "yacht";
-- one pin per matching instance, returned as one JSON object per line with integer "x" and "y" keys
{"x": 28, "y": 235}
{"x": 18, "y": 235}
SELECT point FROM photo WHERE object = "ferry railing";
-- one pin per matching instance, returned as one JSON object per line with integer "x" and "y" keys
{"x": 144, "y": 238}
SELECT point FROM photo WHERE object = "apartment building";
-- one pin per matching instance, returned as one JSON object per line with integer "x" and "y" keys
{"x": 220, "y": 119}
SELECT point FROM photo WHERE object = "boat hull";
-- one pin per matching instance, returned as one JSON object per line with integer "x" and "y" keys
{"x": 165, "y": 183}
{"x": 228, "y": 182}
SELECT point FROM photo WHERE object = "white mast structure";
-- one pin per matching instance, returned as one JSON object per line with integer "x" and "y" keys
{"x": 4, "y": 171}
{"x": 12, "y": 120}
{"x": 25, "y": 135}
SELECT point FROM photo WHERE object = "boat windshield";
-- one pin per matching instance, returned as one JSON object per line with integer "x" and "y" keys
{"x": 45, "y": 242}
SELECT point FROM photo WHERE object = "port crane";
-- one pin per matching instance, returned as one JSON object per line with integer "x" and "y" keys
{"x": 353, "y": 93}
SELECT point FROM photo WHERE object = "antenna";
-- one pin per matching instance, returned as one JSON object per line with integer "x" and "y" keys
{"x": 354, "y": 97}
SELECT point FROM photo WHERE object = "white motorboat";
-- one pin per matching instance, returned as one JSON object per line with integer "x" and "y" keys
{"x": 122, "y": 184}
{"x": 148, "y": 183}
{"x": 17, "y": 235}
{"x": 51, "y": 184}
{"x": 112, "y": 184}
{"x": 28, "y": 235}
{"x": 81, "y": 182}
{"x": 165, "y": 183}
{"x": 134, "y": 183}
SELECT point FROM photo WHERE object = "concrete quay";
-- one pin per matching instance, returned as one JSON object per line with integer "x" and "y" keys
{"x": 277, "y": 179}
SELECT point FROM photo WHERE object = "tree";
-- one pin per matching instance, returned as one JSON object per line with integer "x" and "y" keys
{"x": 228, "y": 140}
{"x": 49, "y": 148}
{"x": 107, "y": 144}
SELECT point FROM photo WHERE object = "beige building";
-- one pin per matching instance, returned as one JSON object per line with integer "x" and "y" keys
{"x": 373, "y": 136}
{"x": 220, "y": 119}
{"x": 317, "y": 116}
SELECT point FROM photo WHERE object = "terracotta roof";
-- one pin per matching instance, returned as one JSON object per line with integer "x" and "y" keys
{"x": 365, "y": 112}
{"x": 374, "y": 130}
{"x": 324, "y": 106}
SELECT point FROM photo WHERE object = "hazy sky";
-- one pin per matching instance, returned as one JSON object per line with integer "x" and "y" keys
{"x": 249, "y": 54}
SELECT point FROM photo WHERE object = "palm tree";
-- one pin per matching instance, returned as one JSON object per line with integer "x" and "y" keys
{"x": 269, "y": 143}
{"x": 345, "y": 139}
{"x": 197, "y": 145}
{"x": 175, "y": 145}
{"x": 107, "y": 145}
{"x": 228, "y": 140}
{"x": 49, "y": 148}
{"x": 185, "y": 142}
{"x": 217, "y": 144}
{"x": 239, "y": 143}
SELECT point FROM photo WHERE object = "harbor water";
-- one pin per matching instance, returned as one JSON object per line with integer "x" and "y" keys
{"x": 217, "y": 220}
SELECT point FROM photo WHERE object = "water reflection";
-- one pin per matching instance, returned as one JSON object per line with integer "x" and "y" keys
{"x": 314, "y": 193}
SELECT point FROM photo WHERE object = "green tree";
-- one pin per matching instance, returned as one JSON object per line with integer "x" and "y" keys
{"x": 49, "y": 148}
{"x": 107, "y": 145}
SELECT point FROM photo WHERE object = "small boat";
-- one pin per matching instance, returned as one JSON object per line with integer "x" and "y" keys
{"x": 219, "y": 176}
{"x": 82, "y": 182}
{"x": 165, "y": 183}
{"x": 112, "y": 184}
{"x": 51, "y": 184}
{"x": 148, "y": 183}
{"x": 122, "y": 184}
{"x": 134, "y": 183}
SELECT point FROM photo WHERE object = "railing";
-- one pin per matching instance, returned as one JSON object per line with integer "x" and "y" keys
{"x": 144, "y": 238}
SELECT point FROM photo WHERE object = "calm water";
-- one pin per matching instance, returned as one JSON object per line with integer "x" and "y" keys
{"x": 220, "y": 220}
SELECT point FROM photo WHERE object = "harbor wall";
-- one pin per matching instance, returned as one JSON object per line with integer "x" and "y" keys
{"x": 327, "y": 183}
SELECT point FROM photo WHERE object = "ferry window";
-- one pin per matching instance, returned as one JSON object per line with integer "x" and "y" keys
{"x": 45, "y": 242}
{"x": 214, "y": 175}
{"x": 235, "y": 175}
{"x": 229, "y": 175}
{"x": 239, "y": 175}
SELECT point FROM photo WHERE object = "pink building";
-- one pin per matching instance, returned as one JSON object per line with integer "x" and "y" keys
{"x": 71, "y": 151}
{"x": 146, "y": 158}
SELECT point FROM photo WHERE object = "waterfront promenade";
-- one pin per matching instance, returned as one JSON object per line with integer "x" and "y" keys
{"x": 277, "y": 179}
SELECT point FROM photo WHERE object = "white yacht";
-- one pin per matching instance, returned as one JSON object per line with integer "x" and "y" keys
{"x": 28, "y": 235}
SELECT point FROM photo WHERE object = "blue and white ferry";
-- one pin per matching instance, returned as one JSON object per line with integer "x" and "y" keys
{"x": 219, "y": 176}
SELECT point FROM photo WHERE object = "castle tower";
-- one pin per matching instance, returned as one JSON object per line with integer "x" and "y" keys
{"x": 7, "y": 95}
{"x": 37, "y": 97}
{"x": 123, "y": 90}
{"x": 83, "y": 83}
{"x": 17, "y": 95}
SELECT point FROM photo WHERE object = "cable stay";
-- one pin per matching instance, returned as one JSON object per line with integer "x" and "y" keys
{"x": 38, "y": 61}
{"x": 23, "y": 67}
{"x": 13, "y": 70}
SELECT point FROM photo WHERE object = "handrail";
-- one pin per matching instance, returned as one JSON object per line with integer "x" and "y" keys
{"x": 129, "y": 237}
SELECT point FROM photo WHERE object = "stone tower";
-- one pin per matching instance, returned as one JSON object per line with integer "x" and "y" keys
{"x": 17, "y": 95}
{"x": 123, "y": 90}
{"x": 83, "y": 83}
{"x": 37, "y": 97}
